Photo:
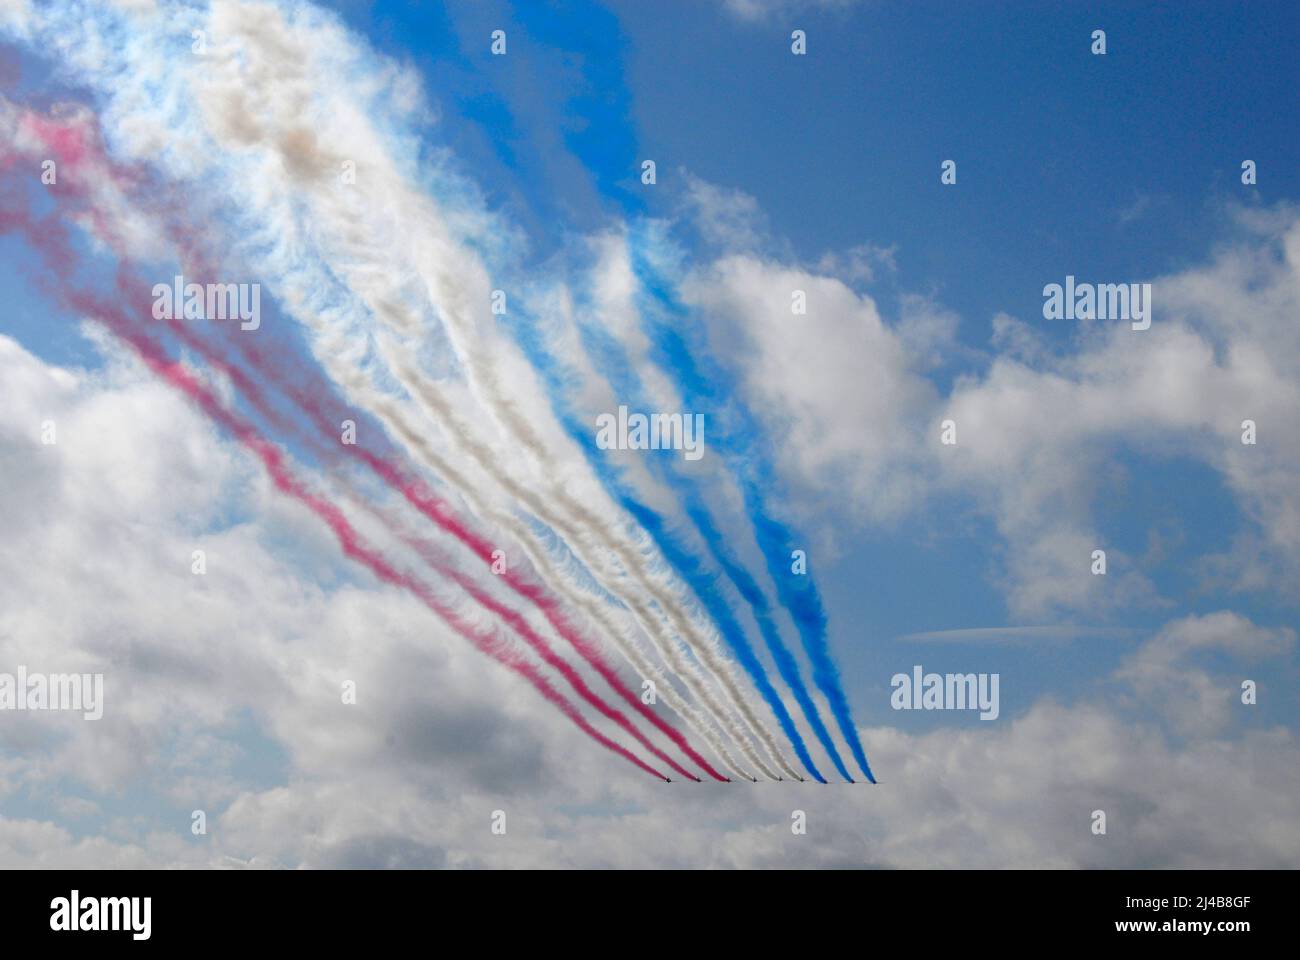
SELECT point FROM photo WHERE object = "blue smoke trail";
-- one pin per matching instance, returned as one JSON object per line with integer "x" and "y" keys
{"x": 705, "y": 385}
{"x": 611, "y": 358}
{"x": 750, "y": 592}
{"x": 680, "y": 558}
{"x": 603, "y": 142}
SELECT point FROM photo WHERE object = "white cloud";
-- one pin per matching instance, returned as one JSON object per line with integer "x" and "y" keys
{"x": 861, "y": 263}
{"x": 442, "y": 738}
{"x": 757, "y": 10}
{"x": 836, "y": 386}
{"x": 1221, "y": 350}
{"x": 16, "y": 15}
{"x": 1037, "y": 431}
{"x": 1196, "y": 702}
{"x": 98, "y": 579}
{"x": 725, "y": 217}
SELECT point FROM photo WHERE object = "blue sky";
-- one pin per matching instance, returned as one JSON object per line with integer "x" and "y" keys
{"x": 819, "y": 171}
{"x": 1103, "y": 167}
{"x": 842, "y": 147}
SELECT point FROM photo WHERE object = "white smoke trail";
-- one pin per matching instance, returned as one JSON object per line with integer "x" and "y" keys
{"x": 596, "y": 612}
{"x": 255, "y": 88}
{"x": 448, "y": 271}
{"x": 441, "y": 411}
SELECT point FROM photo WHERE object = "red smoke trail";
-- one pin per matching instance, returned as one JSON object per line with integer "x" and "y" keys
{"x": 441, "y": 513}
{"x": 50, "y": 238}
{"x": 310, "y": 400}
{"x": 419, "y": 496}
{"x": 539, "y": 644}
{"x": 74, "y": 144}
{"x": 516, "y": 622}
{"x": 69, "y": 141}
{"x": 353, "y": 546}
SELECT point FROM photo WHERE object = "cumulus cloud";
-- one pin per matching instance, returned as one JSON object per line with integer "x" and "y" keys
{"x": 133, "y": 484}
{"x": 1194, "y": 700}
{"x": 836, "y": 385}
{"x": 1035, "y": 437}
{"x": 411, "y": 775}
{"x": 1038, "y": 428}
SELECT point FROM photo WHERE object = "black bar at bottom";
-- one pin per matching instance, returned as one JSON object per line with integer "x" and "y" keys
{"x": 332, "y": 909}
